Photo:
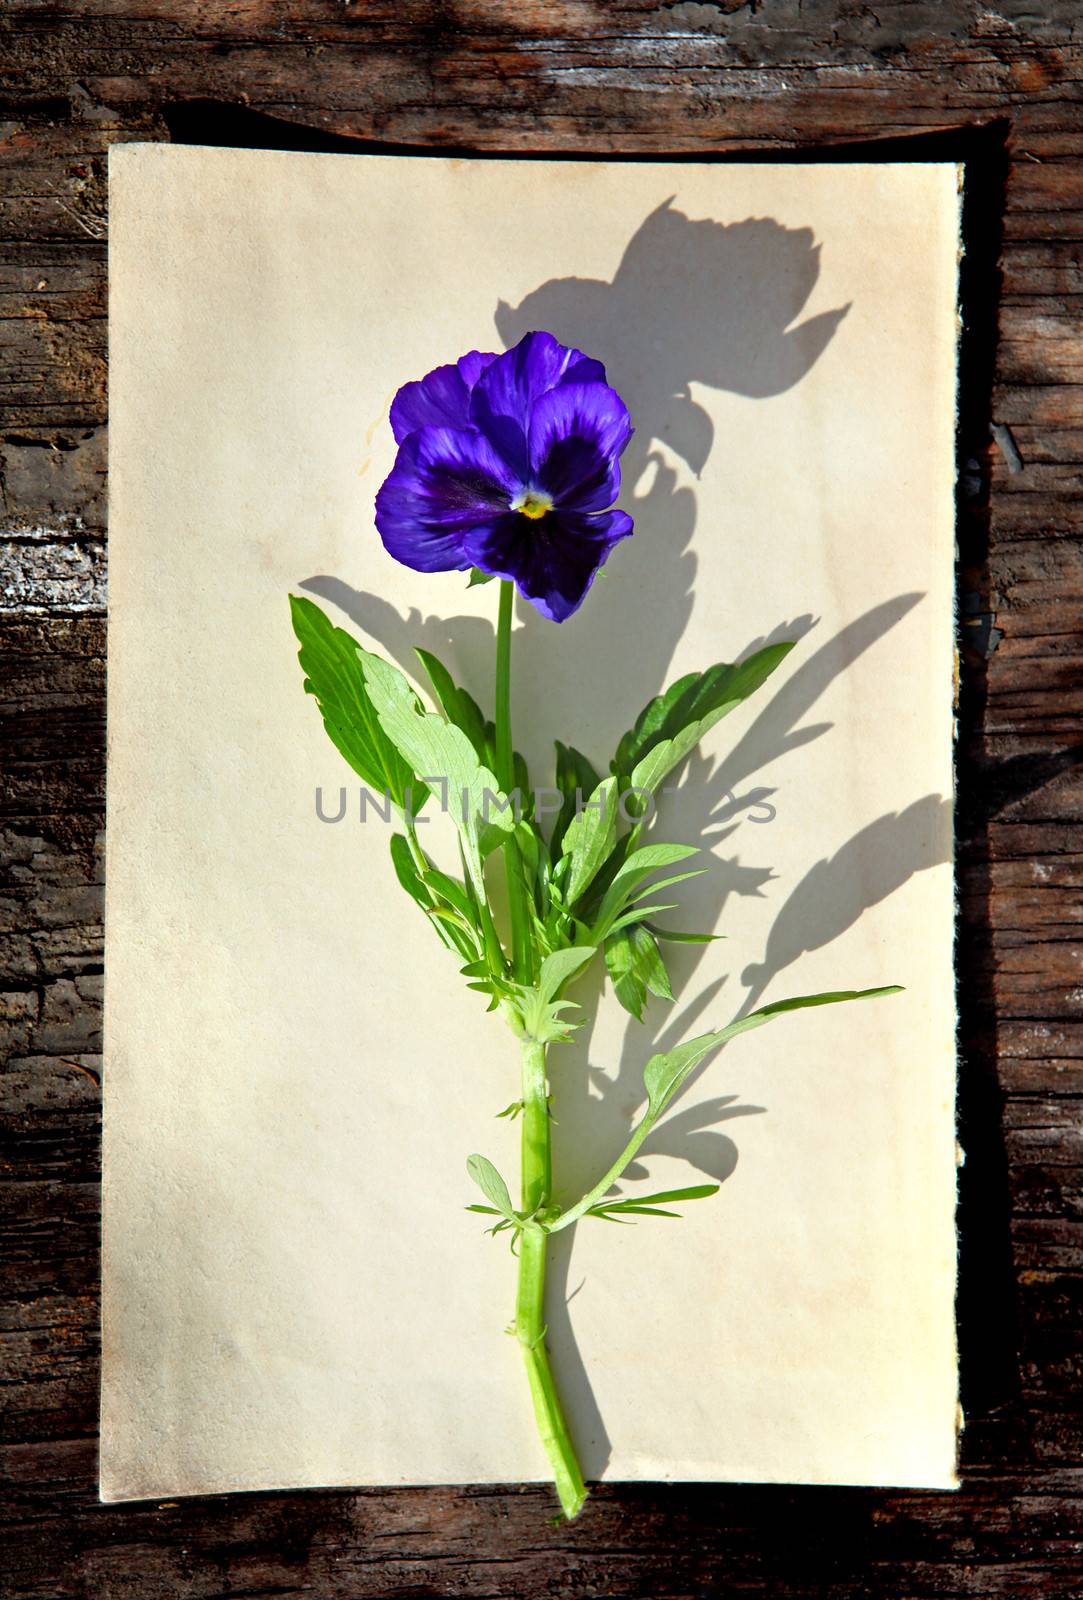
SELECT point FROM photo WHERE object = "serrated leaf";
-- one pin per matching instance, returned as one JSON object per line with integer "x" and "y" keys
{"x": 332, "y": 663}
{"x": 589, "y": 838}
{"x": 439, "y": 749}
{"x": 491, "y": 1184}
{"x": 671, "y": 726}
{"x": 456, "y": 703}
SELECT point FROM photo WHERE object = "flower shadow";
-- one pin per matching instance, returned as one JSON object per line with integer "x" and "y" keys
{"x": 691, "y": 302}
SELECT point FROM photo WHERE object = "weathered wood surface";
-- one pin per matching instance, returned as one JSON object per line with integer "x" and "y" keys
{"x": 529, "y": 75}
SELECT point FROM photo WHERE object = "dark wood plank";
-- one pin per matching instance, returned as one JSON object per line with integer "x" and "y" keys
{"x": 569, "y": 76}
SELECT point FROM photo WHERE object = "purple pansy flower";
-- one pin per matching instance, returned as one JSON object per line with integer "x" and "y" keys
{"x": 509, "y": 463}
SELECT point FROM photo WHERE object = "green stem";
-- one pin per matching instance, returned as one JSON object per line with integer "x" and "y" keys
{"x": 537, "y": 1174}
{"x": 521, "y": 958}
{"x": 530, "y": 1296}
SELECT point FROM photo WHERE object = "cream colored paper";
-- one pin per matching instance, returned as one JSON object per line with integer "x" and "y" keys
{"x": 295, "y": 1072}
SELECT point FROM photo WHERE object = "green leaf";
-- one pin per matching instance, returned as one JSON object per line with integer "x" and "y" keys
{"x": 454, "y": 920}
{"x": 453, "y": 894}
{"x": 491, "y": 1184}
{"x": 332, "y": 664}
{"x": 653, "y": 723}
{"x": 672, "y": 936}
{"x": 540, "y": 1012}
{"x": 409, "y": 877}
{"x": 532, "y": 854}
{"x": 635, "y": 966}
{"x": 696, "y": 1191}
{"x": 834, "y": 997}
{"x": 590, "y": 838}
{"x": 664, "y": 1074}
{"x": 671, "y": 725}
{"x": 646, "y": 1205}
{"x": 615, "y": 1213}
{"x": 560, "y": 967}
{"x": 477, "y": 576}
{"x": 457, "y": 705}
{"x": 441, "y": 750}
{"x": 520, "y": 773}
{"x": 407, "y": 873}
{"x": 665, "y": 883}
{"x": 640, "y": 913}
{"x": 639, "y": 865}
{"x": 574, "y": 772}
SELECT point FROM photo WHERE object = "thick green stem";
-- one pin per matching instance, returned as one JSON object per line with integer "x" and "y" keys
{"x": 530, "y": 1297}
{"x": 505, "y": 775}
{"x": 537, "y": 1178}
{"x": 537, "y": 1161}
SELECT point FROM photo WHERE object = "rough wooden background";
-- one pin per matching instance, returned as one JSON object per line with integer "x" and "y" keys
{"x": 567, "y": 75}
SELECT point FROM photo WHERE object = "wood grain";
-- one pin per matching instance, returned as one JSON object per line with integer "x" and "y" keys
{"x": 999, "y": 86}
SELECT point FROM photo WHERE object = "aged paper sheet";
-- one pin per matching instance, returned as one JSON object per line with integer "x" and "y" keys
{"x": 295, "y": 1072}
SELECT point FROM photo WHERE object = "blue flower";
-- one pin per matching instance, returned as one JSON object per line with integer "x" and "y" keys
{"x": 509, "y": 463}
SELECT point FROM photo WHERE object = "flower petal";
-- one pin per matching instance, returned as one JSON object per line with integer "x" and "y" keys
{"x": 508, "y": 389}
{"x": 577, "y": 433}
{"x": 441, "y": 399}
{"x": 444, "y": 481}
{"x": 553, "y": 561}
{"x": 473, "y": 364}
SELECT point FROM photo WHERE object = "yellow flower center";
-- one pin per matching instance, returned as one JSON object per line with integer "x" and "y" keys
{"x": 533, "y": 504}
